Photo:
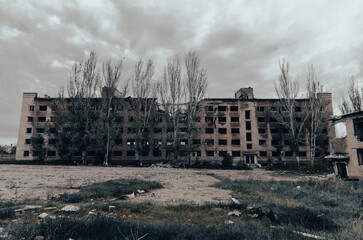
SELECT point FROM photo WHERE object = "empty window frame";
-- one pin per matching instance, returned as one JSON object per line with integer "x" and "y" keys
{"x": 298, "y": 109}
{"x": 289, "y": 154}
{"x": 263, "y": 154}
{"x": 53, "y": 130}
{"x": 222, "y": 119}
{"x": 234, "y": 119}
{"x": 41, "y": 119}
{"x": 27, "y": 141}
{"x": 236, "y": 153}
{"x": 210, "y": 153}
{"x": 31, "y": 108}
{"x": 261, "y": 119}
{"x": 51, "y": 153}
{"x": 262, "y": 142}
{"x": 118, "y": 141}
{"x": 236, "y": 142}
{"x": 222, "y": 130}
{"x": 248, "y": 125}
{"x": 275, "y": 153}
{"x": 30, "y": 119}
{"x": 247, "y": 114}
{"x": 158, "y": 130}
{"x": 260, "y": 109}
{"x": 274, "y": 130}
{"x": 196, "y": 142}
{"x": 248, "y": 137}
{"x": 209, "y": 130}
{"x": 209, "y": 120}
{"x": 209, "y": 142}
{"x": 262, "y": 130}
{"x": 117, "y": 153}
{"x": 26, "y": 154}
{"x": 234, "y": 108}
{"x": 275, "y": 142}
{"x": 208, "y": 108}
{"x": 360, "y": 156}
{"x": 40, "y": 130}
{"x": 302, "y": 154}
{"x": 222, "y": 108}
{"x": 249, "y": 145}
{"x": 222, "y": 141}
{"x": 28, "y": 130}
{"x": 130, "y": 153}
{"x": 43, "y": 108}
{"x": 235, "y": 130}
{"x": 52, "y": 141}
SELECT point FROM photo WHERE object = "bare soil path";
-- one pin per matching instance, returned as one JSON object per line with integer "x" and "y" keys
{"x": 19, "y": 182}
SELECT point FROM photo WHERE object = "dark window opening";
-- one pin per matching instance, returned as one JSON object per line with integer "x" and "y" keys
{"x": 196, "y": 142}
{"x": 53, "y": 130}
{"x": 234, "y": 119}
{"x": 210, "y": 153}
{"x": 41, "y": 119}
{"x": 130, "y": 153}
{"x": 248, "y": 125}
{"x": 209, "y": 142}
{"x": 31, "y": 108}
{"x": 40, "y": 130}
{"x": 298, "y": 109}
{"x": 234, "y": 108}
{"x": 222, "y": 130}
{"x": 250, "y": 159}
{"x": 27, "y": 141}
{"x": 249, "y": 146}
{"x": 52, "y": 141}
{"x": 26, "y": 153}
{"x": 274, "y": 130}
{"x": 183, "y": 153}
{"x": 248, "y": 137}
{"x": 262, "y": 130}
{"x": 235, "y": 130}
{"x": 170, "y": 130}
{"x": 208, "y": 120}
{"x": 42, "y": 108}
{"x": 209, "y": 130}
{"x": 272, "y": 119}
{"x": 131, "y": 119}
{"x": 91, "y": 153}
{"x": 183, "y": 130}
{"x": 261, "y": 119}
{"x": 263, "y": 154}
{"x": 247, "y": 114}
{"x": 52, "y": 119}
{"x": 275, "y": 142}
{"x": 262, "y": 142}
{"x": 236, "y": 142}
{"x": 302, "y": 154}
{"x": 276, "y": 154}
{"x": 30, "y": 119}
{"x": 222, "y": 142}
{"x": 196, "y": 154}
{"x": 317, "y": 154}
{"x": 130, "y": 141}
{"x": 222, "y": 108}
{"x": 222, "y": 119}
{"x": 156, "y": 153}
{"x": 158, "y": 130}
{"x": 222, "y": 153}
{"x": 209, "y": 108}
{"x": 28, "y": 130}
{"x": 358, "y": 128}
{"x": 51, "y": 153}
{"x": 118, "y": 141}
{"x": 117, "y": 153}
{"x": 360, "y": 156}
{"x": 236, "y": 153}
{"x": 260, "y": 109}
{"x": 273, "y": 109}
{"x": 289, "y": 154}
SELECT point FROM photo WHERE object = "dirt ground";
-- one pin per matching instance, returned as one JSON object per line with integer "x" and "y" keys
{"x": 19, "y": 182}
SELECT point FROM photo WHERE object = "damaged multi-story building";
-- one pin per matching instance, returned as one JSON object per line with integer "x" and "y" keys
{"x": 244, "y": 127}
{"x": 347, "y": 145}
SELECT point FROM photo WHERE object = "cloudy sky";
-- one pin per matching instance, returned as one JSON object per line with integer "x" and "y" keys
{"x": 240, "y": 43}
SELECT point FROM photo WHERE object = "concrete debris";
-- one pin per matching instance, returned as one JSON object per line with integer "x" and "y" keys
{"x": 234, "y": 212}
{"x": 235, "y": 201}
{"x": 302, "y": 233}
{"x": 70, "y": 208}
{"x": 298, "y": 187}
{"x": 160, "y": 165}
{"x": 255, "y": 215}
{"x": 228, "y": 222}
{"x": 43, "y": 215}
{"x": 92, "y": 213}
{"x": 49, "y": 208}
{"x": 39, "y": 238}
{"x": 31, "y": 207}
{"x": 127, "y": 196}
{"x": 140, "y": 191}
{"x": 111, "y": 208}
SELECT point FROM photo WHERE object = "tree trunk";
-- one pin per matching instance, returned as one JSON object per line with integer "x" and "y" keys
{"x": 84, "y": 158}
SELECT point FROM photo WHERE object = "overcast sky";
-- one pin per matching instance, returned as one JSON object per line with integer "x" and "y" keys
{"x": 240, "y": 43}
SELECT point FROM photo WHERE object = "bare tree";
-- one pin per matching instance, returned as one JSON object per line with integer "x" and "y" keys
{"x": 112, "y": 101}
{"x": 287, "y": 90}
{"x": 195, "y": 87}
{"x": 355, "y": 98}
{"x": 317, "y": 109}
{"x": 82, "y": 88}
{"x": 144, "y": 106}
{"x": 171, "y": 94}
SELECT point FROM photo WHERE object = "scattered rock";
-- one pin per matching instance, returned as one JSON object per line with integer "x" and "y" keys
{"x": 49, "y": 208}
{"x": 152, "y": 195}
{"x": 43, "y": 215}
{"x": 39, "y": 238}
{"x": 70, "y": 208}
{"x": 255, "y": 215}
{"x": 127, "y": 196}
{"x": 140, "y": 191}
{"x": 111, "y": 208}
{"x": 234, "y": 212}
{"x": 298, "y": 187}
{"x": 235, "y": 201}
{"x": 31, "y": 207}
{"x": 228, "y": 222}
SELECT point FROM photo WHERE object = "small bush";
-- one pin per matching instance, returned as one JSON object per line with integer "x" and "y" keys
{"x": 227, "y": 160}
{"x": 7, "y": 210}
{"x": 72, "y": 198}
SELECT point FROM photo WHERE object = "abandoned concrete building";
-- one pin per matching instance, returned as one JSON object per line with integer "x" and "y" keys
{"x": 243, "y": 127}
{"x": 347, "y": 145}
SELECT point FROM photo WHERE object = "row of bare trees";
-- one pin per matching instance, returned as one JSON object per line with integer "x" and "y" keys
{"x": 90, "y": 113}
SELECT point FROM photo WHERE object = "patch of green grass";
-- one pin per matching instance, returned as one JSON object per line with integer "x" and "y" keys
{"x": 112, "y": 188}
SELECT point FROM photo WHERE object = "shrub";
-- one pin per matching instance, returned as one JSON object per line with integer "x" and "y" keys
{"x": 7, "y": 210}
{"x": 227, "y": 160}
{"x": 72, "y": 198}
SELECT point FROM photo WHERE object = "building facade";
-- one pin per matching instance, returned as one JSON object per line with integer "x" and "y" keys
{"x": 244, "y": 127}
{"x": 347, "y": 145}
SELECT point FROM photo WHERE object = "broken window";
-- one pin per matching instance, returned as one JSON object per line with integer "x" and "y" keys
{"x": 209, "y": 130}
{"x": 196, "y": 142}
{"x": 41, "y": 119}
{"x": 222, "y": 142}
{"x": 210, "y": 153}
{"x": 275, "y": 153}
{"x": 208, "y": 120}
{"x": 247, "y": 114}
{"x": 236, "y": 142}
{"x": 209, "y": 142}
{"x": 30, "y": 119}
{"x": 249, "y": 146}
{"x": 158, "y": 130}
{"x": 51, "y": 153}
{"x": 274, "y": 130}
{"x": 262, "y": 142}
{"x": 360, "y": 156}
{"x": 222, "y": 130}
{"x": 43, "y": 108}
{"x": 234, "y": 119}
{"x": 297, "y": 109}
{"x": 31, "y": 108}
{"x": 260, "y": 109}
{"x": 358, "y": 128}
{"x": 235, "y": 130}
{"x": 234, "y": 108}
{"x": 236, "y": 153}
{"x": 248, "y": 125}
{"x": 40, "y": 130}
{"x": 27, "y": 141}
{"x": 261, "y": 119}
{"x": 302, "y": 154}
{"x": 263, "y": 154}
{"x": 28, "y": 130}
{"x": 248, "y": 137}
{"x": 222, "y": 119}
{"x": 26, "y": 153}
{"x": 262, "y": 130}
{"x": 209, "y": 108}
{"x": 222, "y": 108}
{"x": 183, "y": 130}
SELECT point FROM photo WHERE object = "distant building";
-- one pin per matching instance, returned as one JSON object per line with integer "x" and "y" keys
{"x": 347, "y": 145}
{"x": 243, "y": 127}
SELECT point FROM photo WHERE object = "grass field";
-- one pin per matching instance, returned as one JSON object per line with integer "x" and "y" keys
{"x": 326, "y": 209}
